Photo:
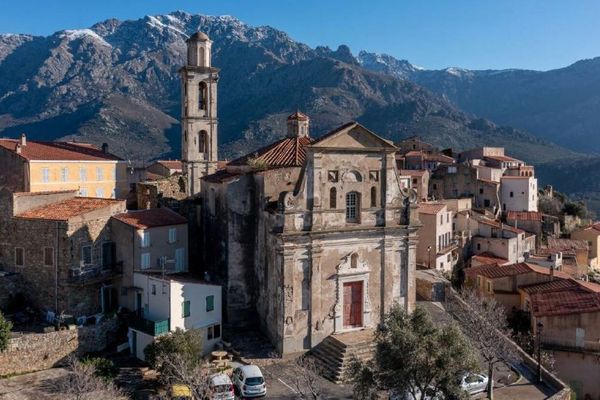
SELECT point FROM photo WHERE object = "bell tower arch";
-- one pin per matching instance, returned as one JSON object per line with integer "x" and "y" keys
{"x": 198, "y": 112}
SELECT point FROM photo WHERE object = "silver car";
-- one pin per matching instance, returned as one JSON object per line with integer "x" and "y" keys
{"x": 474, "y": 383}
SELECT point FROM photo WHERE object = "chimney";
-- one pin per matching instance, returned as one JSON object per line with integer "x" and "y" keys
{"x": 105, "y": 148}
{"x": 23, "y": 139}
{"x": 18, "y": 148}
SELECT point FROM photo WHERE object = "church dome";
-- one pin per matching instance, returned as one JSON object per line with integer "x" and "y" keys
{"x": 200, "y": 36}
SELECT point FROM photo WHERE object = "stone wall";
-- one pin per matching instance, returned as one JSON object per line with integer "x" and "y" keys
{"x": 164, "y": 192}
{"x": 39, "y": 351}
{"x": 11, "y": 284}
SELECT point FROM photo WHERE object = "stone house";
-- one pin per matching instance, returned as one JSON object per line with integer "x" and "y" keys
{"x": 569, "y": 313}
{"x": 502, "y": 240}
{"x": 62, "y": 246}
{"x": 426, "y": 160}
{"x": 171, "y": 302}
{"x": 33, "y": 166}
{"x": 437, "y": 247}
{"x": 542, "y": 225}
{"x": 590, "y": 234}
{"x": 152, "y": 241}
{"x": 311, "y": 237}
{"x": 414, "y": 143}
{"x": 165, "y": 168}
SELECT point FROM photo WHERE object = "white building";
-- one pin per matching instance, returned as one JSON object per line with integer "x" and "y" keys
{"x": 175, "y": 301}
{"x": 519, "y": 193}
{"x": 436, "y": 247}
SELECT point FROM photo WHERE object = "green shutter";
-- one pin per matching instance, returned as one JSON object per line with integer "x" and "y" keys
{"x": 210, "y": 303}
{"x": 186, "y": 309}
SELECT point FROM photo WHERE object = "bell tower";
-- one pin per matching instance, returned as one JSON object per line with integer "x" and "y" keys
{"x": 198, "y": 112}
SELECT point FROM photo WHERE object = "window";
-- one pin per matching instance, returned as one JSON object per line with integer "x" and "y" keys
{"x": 145, "y": 261}
{"x": 45, "y": 175}
{"x": 434, "y": 186}
{"x": 374, "y": 176}
{"x": 48, "y": 256}
{"x": 185, "y": 309}
{"x": 478, "y": 246}
{"x": 86, "y": 254}
{"x": 145, "y": 239}
{"x": 99, "y": 192}
{"x": 332, "y": 197}
{"x": 332, "y": 176}
{"x": 451, "y": 170}
{"x": 64, "y": 174}
{"x": 448, "y": 217}
{"x": 489, "y": 286}
{"x": 99, "y": 174}
{"x": 19, "y": 256}
{"x": 214, "y": 332}
{"x": 203, "y": 142}
{"x": 373, "y": 196}
{"x": 172, "y": 235}
{"x": 442, "y": 219}
{"x": 83, "y": 192}
{"x": 480, "y": 190}
{"x": 202, "y": 96}
{"x": 352, "y": 207}
{"x": 414, "y": 181}
{"x": 82, "y": 174}
{"x": 210, "y": 303}
{"x": 512, "y": 194}
{"x": 479, "y": 281}
{"x": 154, "y": 289}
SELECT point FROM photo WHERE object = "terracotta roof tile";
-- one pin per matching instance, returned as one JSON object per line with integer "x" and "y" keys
{"x": 564, "y": 302}
{"x": 524, "y": 215}
{"x": 566, "y": 244}
{"x": 430, "y": 208}
{"x": 489, "y": 258}
{"x": 67, "y": 209}
{"x": 493, "y": 271}
{"x": 287, "y": 152}
{"x": 154, "y": 217}
{"x": 35, "y": 150}
{"x": 298, "y": 116}
{"x": 171, "y": 164}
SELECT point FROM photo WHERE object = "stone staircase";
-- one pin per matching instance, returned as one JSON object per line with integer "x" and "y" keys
{"x": 333, "y": 355}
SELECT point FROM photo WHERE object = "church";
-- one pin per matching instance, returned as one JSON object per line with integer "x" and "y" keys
{"x": 310, "y": 237}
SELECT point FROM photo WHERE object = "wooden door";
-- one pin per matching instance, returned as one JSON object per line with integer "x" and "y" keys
{"x": 353, "y": 301}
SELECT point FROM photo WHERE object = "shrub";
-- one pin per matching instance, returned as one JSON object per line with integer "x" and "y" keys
{"x": 5, "y": 328}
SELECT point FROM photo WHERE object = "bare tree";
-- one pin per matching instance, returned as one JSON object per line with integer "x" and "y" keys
{"x": 82, "y": 383}
{"x": 484, "y": 321}
{"x": 306, "y": 381}
{"x": 177, "y": 369}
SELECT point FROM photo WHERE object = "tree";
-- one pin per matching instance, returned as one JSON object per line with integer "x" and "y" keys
{"x": 414, "y": 356}
{"x": 5, "y": 328}
{"x": 178, "y": 358}
{"x": 83, "y": 383}
{"x": 306, "y": 381}
{"x": 484, "y": 321}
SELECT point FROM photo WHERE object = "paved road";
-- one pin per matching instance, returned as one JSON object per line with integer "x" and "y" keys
{"x": 34, "y": 386}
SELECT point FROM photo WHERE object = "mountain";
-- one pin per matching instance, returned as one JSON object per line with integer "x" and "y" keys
{"x": 117, "y": 82}
{"x": 560, "y": 105}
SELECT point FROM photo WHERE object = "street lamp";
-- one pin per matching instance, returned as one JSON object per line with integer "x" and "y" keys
{"x": 429, "y": 257}
{"x": 539, "y": 327}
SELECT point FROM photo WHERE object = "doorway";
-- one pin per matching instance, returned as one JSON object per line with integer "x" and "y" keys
{"x": 353, "y": 305}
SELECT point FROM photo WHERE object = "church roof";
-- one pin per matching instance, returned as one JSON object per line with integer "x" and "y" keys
{"x": 199, "y": 36}
{"x": 287, "y": 152}
{"x": 299, "y": 116}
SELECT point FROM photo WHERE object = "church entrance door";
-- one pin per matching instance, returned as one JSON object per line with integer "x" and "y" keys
{"x": 353, "y": 304}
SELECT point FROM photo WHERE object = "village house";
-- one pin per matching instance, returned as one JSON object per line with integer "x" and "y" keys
{"x": 566, "y": 315}
{"x": 414, "y": 143}
{"x": 436, "y": 247}
{"x": 33, "y": 166}
{"x": 152, "y": 241}
{"x": 590, "y": 234}
{"x": 519, "y": 193}
{"x": 170, "y": 302}
{"x": 165, "y": 168}
{"x": 542, "y": 225}
{"x": 64, "y": 249}
{"x": 419, "y": 180}
{"x": 418, "y": 159}
{"x": 501, "y": 240}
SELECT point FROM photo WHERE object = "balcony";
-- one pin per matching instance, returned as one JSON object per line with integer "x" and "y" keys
{"x": 150, "y": 327}
{"x": 91, "y": 274}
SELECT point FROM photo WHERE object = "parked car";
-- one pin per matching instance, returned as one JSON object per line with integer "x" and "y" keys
{"x": 429, "y": 395}
{"x": 474, "y": 383}
{"x": 221, "y": 387}
{"x": 249, "y": 381}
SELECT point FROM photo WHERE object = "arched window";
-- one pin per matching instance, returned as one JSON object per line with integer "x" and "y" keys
{"x": 202, "y": 90}
{"x": 373, "y": 196}
{"x": 352, "y": 207}
{"x": 333, "y": 198}
{"x": 354, "y": 260}
{"x": 202, "y": 141}
{"x": 353, "y": 176}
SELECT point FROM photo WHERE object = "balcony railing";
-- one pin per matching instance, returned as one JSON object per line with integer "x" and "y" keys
{"x": 94, "y": 273}
{"x": 153, "y": 328}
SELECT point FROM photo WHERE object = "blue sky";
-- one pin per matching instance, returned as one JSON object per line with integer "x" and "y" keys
{"x": 536, "y": 34}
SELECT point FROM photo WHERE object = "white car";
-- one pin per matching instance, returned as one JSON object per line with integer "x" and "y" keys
{"x": 249, "y": 381}
{"x": 221, "y": 387}
{"x": 474, "y": 383}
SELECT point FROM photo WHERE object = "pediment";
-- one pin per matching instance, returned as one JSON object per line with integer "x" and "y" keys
{"x": 353, "y": 136}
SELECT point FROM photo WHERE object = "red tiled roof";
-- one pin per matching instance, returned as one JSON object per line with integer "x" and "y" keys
{"x": 299, "y": 116}
{"x": 566, "y": 244}
{"x": 493, "y": 271}
{"x": 500, "y": 225}
{"x": 71, "y": 151}
{"x": 524, "y": 215}
{"x": 287, "y": 152}
{"x": 64, "y": 210}
{"x": 154, "y": 217}
{"x": 489, "y": 258}
{"x": 430, "y": 156}
{"x": 549, "y": 286}
{"x": 564, "y": 302}
{"x": 430, "y": 208}
{"x": 171, "y": 164}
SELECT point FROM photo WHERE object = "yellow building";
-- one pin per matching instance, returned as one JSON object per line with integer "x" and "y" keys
{"x": 32, "y": 166}
{"x": 590, "y": 234}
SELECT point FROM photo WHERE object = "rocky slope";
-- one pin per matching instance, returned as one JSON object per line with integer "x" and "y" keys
{"x": 117, "y": 82}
